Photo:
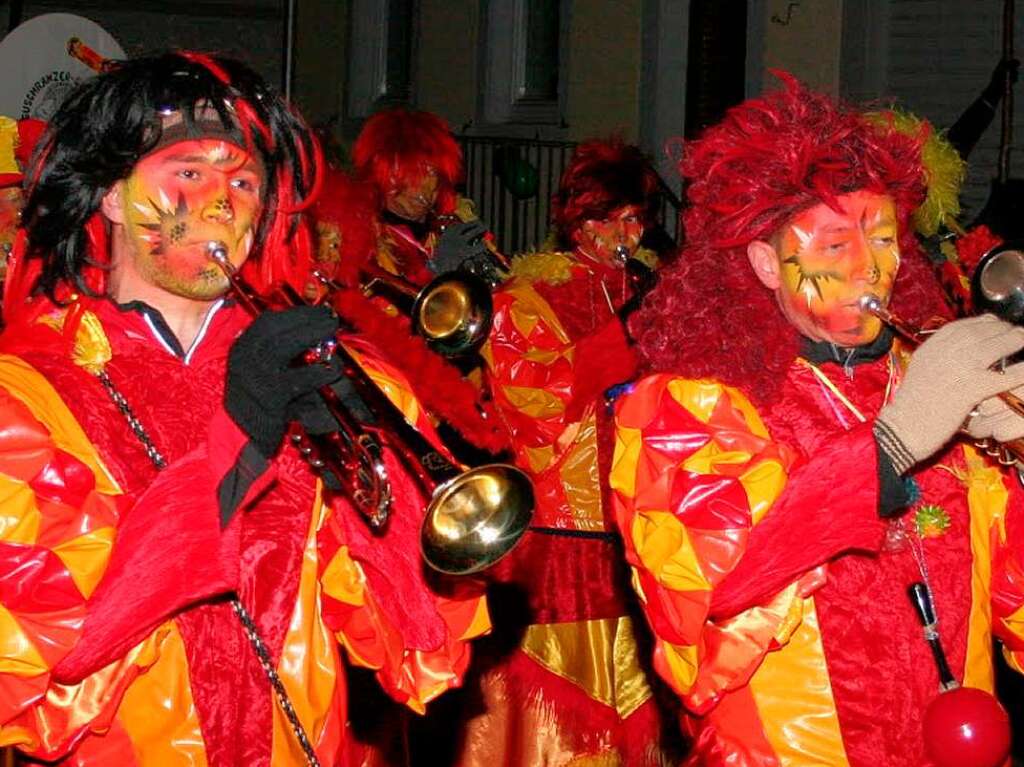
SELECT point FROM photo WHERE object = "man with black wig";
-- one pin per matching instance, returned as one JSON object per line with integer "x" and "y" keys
{"x": 149, "y": 507}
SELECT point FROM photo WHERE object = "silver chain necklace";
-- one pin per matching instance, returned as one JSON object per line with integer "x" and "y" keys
{"x": 248, "y": 624}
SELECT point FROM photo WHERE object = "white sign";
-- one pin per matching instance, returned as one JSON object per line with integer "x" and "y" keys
{"x": 38, "y": 70}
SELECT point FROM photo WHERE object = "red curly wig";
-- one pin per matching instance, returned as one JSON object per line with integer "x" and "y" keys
{"x": 349, "y": 206}
{"x": 400, "y": 145}
{"x": 769, "y": 159}
{"x": 602, "y": 176}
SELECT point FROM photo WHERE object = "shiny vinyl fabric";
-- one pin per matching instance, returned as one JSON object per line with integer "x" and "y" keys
{"x": 71, "y": 471}
{"x": 569, "y": 687}
{"x": 778, "y": 605}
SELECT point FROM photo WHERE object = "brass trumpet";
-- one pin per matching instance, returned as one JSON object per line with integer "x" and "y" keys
{"x": 1006, "y": 453}
{"x": 452, "y": 312}
{"x": 474, "y": 517}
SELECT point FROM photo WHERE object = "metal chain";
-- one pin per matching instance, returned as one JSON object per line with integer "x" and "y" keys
{"x": 263, "y": 654}
{"x": 248, "y": 624}
{"x": 133, "y": 422}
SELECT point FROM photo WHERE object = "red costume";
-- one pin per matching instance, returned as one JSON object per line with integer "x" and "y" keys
{"x": 17, "y": 140}
{"x": 136, "y": 506}
{"x": 411, "y": 157}
{"x": 306, "y": 571}
{"x": 746, "y": 479}
{"x": 563, "y": 681}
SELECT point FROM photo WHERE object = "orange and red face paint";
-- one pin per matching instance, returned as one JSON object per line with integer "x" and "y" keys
{"x": 605, "y": 241}
{"x": 411, "y": 195}
{"x": 829, "y": 258}
{"x": 180, "y": 198}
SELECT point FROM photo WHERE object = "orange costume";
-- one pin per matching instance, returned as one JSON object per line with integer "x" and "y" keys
{"x": 771, "y": 536}
{"x": 729, "y": 514}
{"x": 184, "y": 687}
{"x": 573, "y": 688}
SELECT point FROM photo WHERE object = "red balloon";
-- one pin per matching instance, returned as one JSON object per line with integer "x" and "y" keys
{"x": 966, "y": 727}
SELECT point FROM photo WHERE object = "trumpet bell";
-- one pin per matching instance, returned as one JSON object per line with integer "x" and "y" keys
{"x": 476, "y": 518}
{"x": 453, "y": 313}
{"x": 997, "y": 285}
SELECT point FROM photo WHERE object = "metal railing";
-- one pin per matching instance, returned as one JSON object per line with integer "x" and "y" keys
{"x": 520, "y": 223}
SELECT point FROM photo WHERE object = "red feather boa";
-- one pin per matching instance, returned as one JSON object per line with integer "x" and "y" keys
{"x": 445, "y": 393}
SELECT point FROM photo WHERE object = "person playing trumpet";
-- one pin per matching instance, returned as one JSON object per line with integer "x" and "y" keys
{"x": 413, "y": 165}
{"x": 785, "y": 470}
{"x": 563, "y": 678}
{"x": 175, "y": 583}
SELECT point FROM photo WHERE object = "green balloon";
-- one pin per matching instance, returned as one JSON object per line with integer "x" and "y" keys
{"x": 520, "y": 178}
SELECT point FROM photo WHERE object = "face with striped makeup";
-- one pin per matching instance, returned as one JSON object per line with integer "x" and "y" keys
{"x": 825, "y": 259}
{"x": 180, "y": 198}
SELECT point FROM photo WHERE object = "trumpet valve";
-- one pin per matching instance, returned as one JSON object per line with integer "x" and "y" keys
{"x": 322, "y": 353}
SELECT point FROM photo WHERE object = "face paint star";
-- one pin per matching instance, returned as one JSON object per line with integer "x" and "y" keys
{"x": 172, "y": 225}
{"x": 813, "y": 279}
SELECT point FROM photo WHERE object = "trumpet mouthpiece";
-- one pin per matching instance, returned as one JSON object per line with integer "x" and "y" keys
{"x": 218, "y": 251}
{"x": 622, "y": 253}
{"x": 870, "y": 303}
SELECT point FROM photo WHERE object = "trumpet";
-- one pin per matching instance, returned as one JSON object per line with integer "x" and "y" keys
{"x": 441, "y": 223}
{"x": 1005, "y": 453}
{"x": 474, "y": 517}
{"x": 452, "y": 312}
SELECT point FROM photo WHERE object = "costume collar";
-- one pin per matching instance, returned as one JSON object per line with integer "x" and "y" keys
{"x": 825, "y": 351}
{"x": 161, "y": 331}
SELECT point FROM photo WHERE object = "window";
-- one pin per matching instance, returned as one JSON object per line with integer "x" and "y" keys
{"x": 524, "y": 61}
{"x": 381, "y": 55}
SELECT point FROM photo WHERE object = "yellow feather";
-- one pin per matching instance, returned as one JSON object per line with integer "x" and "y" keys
{"x": 552, "y": 268}
{"x": 944, "y": 169}
{"x": 8, "y": 141}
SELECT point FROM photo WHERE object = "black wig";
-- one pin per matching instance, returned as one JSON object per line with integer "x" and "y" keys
{"x": 108, "y": 123}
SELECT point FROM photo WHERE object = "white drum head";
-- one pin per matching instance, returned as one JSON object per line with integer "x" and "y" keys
{"x": 36, "y": 71}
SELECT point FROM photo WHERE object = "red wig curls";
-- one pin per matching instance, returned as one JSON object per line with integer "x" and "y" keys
{"x": 602, "y": 176}
{"x": 769, "y": 159}
{"x": 399, "y": 145}
{"x": 348, "y": 207}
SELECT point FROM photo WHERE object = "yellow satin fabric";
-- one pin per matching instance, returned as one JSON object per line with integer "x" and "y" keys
{"x": 803, "y": 726}
{"x": 309, "y": 666}
{"x": 172, "y": 739}
{"x": 580, "y": 478}
{"x": 987, "y": 500}
{"x": 598, "y": 656}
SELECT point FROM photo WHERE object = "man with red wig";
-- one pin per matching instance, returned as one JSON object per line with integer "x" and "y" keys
{"x": 426, "y": 228}
{"x": 563, "y": 678}
{"x": 783, "y": 474}
{"x": 346, "y": 228}
{"x": 174, "y": 580}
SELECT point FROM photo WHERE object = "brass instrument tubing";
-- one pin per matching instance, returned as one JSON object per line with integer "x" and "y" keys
{"x": 350, "y": 452}
{"x": 1008, "y": 453}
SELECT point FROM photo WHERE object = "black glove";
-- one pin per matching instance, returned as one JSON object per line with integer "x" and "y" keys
{"x": 1005, "y": 69}
{"x": 461, "y": 247}
{"x": 266, "y": 389}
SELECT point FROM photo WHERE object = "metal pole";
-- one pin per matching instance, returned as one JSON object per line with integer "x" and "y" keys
{"x": 289, "y": 47}
{"x": 1006, "y": 135}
